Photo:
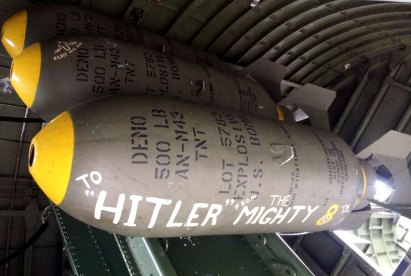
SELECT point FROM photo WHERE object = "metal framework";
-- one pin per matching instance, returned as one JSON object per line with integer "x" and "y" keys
{"x": 319, "y": 41}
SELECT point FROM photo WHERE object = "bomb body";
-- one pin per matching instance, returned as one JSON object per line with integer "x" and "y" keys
{"x": 49, "y": 21}
{"x": 54, "y": 76}
{"x": 158, "y": 167}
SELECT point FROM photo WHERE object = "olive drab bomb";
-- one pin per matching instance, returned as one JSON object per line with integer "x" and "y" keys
{"x": 49, "y": 21}
{"x": 149, "y": 166}
{"x": 54, "y": 76}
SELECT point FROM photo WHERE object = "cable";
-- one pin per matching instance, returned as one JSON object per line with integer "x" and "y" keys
{"x": 32, "y": 240}
{"x": 20, "y": 120}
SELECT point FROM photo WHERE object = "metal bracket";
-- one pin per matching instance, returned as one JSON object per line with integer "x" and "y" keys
{"x": 198, "y": 86}
{"x": 277, "y": 255}
{"x": 150, "y": 256}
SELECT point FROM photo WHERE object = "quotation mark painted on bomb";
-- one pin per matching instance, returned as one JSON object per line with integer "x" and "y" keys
{"x": 95, "y": 178}
{"x": 242, "y": 203}
{"x": 229, "y": 202}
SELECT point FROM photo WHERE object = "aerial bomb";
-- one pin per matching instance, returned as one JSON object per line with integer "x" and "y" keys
{"x": 54, "y": 76}
{"x": 148, "y": 166}
{"x": 48, "y": 21}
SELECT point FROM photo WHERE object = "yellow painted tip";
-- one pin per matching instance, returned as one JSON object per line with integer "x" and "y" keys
{"x": 25, "y": 73}
{"x": 51, "y": 157}
{"x": 13, "y": 33}
{"x": 280, "y": 113}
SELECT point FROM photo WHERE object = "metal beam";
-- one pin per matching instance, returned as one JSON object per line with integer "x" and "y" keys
{"x": 405, "y": 121}
{"x": 12, "y": 213}
{"x": 11, "y": 205}
{"x": 351, "y": 104}
{"x": 150, "y": 256}
{"x": 82, "y": 250}
{"x": 31, "y": 217}
{"x": 277, "y": 255}
{"x": 399, "y": 85}
{"x": 112, "y": 253}
{"x": 373, "y": 109}
{"x": 127, "y": 255}
{"x": 342, "y": 262}
{"x": 92, "y": 251}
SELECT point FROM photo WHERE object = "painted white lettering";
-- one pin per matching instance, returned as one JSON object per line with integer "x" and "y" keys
{"x": 297, "y": 210}
{"x": 274, "y": 197}
{"x": 282, "y": 201}
{"x": 248, "y": 213}
{"x": 286, "y": 201}
{"x": 263, "y": 219}
{"x": 213, "y": 212}
{"x": 193, "y": 214}
{"x": 310, "y": 212}
{"x": 258, "y": 215}
{"x": 83, "y": 178}
{"x": 280, "y": 216}
{"x": 116, "y": 210}
{"x": 158, "y": 203}
{"x": 96, "y": 177}
{"x": 171, "y": 222}
{"x": 345, "y": 209}
{"x": 133, "y": 212}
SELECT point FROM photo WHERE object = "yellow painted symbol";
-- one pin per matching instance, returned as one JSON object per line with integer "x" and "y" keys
{"x": 329, "y": 215}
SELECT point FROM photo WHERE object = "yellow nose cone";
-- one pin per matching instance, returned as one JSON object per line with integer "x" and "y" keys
{"x": 51, "y": 157}
{"x": 25, "y": 73}
{"x": 14, "y": 33}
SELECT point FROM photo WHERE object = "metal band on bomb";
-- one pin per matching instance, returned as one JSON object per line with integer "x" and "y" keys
{"x": 77, "y": 69}
{"x": 157, "y": 167}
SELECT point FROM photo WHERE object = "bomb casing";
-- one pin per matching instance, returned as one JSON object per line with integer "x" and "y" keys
{"x": 158, "y": 167}
{"x": 54, "y": 76}
{"x": 49, "y": 21}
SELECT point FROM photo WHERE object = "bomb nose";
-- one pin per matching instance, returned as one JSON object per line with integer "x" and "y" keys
{"x": 25, "y": 73}
{"x": 13, "y": 33}
{"x": 51, "y": 156}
